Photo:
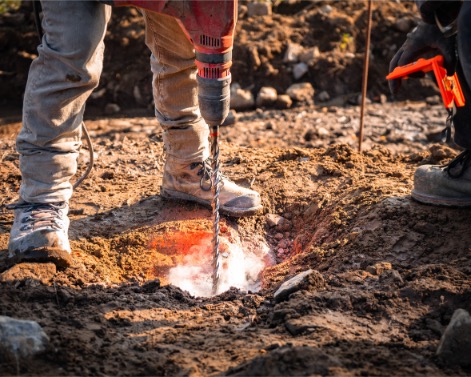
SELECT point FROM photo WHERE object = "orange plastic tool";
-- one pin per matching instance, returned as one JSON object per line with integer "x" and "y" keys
{"x": 450, "y": 87}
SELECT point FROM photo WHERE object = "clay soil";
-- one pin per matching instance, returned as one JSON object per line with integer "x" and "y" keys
{"x": 388, "y": 272}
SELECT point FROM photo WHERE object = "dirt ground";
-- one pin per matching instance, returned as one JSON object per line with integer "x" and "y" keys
{"x": 388, "y": 272}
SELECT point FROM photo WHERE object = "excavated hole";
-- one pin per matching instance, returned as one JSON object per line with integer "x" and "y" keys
{"x": 184, "y": 258}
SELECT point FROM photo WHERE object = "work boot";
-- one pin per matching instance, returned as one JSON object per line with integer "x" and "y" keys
{"x": 39, "y": 234}
{"x": 448, "y": 185}
{"x": 192, "y": 182}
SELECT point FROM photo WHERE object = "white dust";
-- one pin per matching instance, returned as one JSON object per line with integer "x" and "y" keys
{"x": 241, "y": 266}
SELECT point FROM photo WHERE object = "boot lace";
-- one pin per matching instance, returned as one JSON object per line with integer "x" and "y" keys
{"x": 457, "y": 167}
{"x": 41, "y": 215}
{"x": 205, "y": 172}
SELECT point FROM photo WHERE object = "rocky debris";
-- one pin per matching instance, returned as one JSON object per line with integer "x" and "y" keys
{"x": 305, "y": 280}
{"x": 455, "y": 344}
{"x": 404, "y": 24}
{"x": 299, "y": 70}
{"x": 40, "y": 272}
{"x": 231, "y": 118}
{"x": 292, "y": 53}
{"x": 267, "y": 96}
{"x": 290, "y": 361}
{"x": 274, "y": 219}
{"x": 20, "y": 339}
{"x": 240, "y": 98}
{"x": 323, "y": 96}
{"x": 283, "y": 101}
{"x": 378, "y": 268}
{"x": 301, "y": 92}
{"x": 310, "y": 55}
{"x": 112, "y": 108}
{"x": 259, "y": 9}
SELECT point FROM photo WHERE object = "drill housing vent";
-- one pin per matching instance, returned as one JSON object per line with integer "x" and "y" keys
{"x": 208, "y": 41}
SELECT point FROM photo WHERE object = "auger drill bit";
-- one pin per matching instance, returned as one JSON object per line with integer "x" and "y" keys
{"x": 215, "y": 187}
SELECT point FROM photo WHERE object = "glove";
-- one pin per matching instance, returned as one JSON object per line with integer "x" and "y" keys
{"x": 424, "y": 39}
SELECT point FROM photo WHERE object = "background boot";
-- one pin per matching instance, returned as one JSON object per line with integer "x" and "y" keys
{"x": 445, "y": 185}
{"x": 192, "y": 182}
{"x": 39, "y": 234}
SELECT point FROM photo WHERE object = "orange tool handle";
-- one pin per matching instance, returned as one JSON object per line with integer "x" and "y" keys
{"x": 450, "y": 87}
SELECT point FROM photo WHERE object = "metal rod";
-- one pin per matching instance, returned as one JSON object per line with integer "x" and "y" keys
{"x": 215, "y": 205}
{"x": 366, "y": 64}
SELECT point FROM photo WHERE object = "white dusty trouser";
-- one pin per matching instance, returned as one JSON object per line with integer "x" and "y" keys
{"x": 65, "y": 73}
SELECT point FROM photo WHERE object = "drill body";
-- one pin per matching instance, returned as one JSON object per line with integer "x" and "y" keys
{"x": 210, "y": 27}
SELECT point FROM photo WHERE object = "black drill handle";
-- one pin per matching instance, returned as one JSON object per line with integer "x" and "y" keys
{"x": 214, "y": 99}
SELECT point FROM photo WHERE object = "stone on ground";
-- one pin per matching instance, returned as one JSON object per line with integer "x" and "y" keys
{"x": 304, "y": 280}
{"x": 455, "y": 345}
{"x": 21, "y": 339}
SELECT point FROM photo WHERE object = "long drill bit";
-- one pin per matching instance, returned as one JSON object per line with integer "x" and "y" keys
{"x": 215, "y": 204}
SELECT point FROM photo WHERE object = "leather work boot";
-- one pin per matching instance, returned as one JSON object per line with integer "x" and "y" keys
{"x": 192, "y": 182}
{"x": 39, "y": 234}
{"x": 448, "y": 185}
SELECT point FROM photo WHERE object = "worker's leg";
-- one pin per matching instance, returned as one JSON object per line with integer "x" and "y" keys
{"x": 60, "y": 80}
{"x": 451, "y": 185}
{"x": 185, "y": 132}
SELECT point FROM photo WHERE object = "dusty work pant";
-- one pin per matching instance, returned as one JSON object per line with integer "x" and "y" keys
{"x": 67, "y": 70}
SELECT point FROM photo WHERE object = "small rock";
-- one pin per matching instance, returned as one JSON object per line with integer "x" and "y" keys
{"x": 455, "y": 344}
{"x": 292, "y": 53}
{"x": 273, "y": 219}
{"x": 296, "y": 327}
{"x": 306, "y": 279}
{"x": 259, "y": 9}
{"x": 301, "y": 92}
{"x": 279, "y": 236}
{"x": 266, "y": 96}
{"x": 378, "y": 268}
{"x": 42, "y": 272}
{"x": 299, "y": 70}
{"x": 231, "y": 118}
{"x": 359, "y": 98}
{"x": 323, "y": 96}
{"x": 21, "y": 339}
{"x": 404, "y": 24}
{"x": 241, "y": 99}
{"x": 326, "y": 9}
{"x": 254, "y": 57}
{"x": 433, "y": 100}
{"x": 283, "y": 101}
{"x": 112, "y": 108}
{"x": 309, "y": 55}
{"x": 391, "y": 278}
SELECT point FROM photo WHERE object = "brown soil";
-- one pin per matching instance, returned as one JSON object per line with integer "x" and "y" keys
{"x": 391, "y": 271}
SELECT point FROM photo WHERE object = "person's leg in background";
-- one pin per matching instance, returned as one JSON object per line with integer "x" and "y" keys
{"x": 451, "y": 185}
{"x": 187, "y": 170}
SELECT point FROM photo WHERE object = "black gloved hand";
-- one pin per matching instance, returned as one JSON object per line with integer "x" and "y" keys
{"x": 425, "y": 38}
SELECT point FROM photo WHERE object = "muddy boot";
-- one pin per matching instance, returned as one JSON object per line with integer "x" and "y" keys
{"x": 448, "y": 185}
{"x": 39, "y": 234}
{"x": 192, "y": 182}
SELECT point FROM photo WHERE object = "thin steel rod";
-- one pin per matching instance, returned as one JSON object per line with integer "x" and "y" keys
{"x": 366, "y": 64}
{"x": 215, "y": 205}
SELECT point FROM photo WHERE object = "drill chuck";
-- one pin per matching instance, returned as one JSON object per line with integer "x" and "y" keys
{"x": 214, "y": 99}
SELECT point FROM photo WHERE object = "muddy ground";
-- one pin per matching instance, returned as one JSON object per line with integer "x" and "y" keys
{"x": 388, "y": 272}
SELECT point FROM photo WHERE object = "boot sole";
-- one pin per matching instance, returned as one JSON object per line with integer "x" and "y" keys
{"x": 440, "y": 201}
{"x": 229, "y": 211}
{"x": 61, "y": 258}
